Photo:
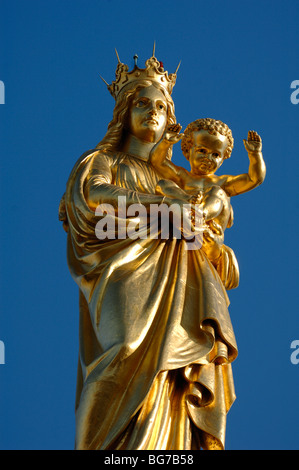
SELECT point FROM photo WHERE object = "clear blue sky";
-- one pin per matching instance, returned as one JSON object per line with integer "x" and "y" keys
{"x": 238, "y": 62}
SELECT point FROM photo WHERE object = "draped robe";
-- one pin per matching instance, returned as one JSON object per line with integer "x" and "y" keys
{"x": 156, "y": 341}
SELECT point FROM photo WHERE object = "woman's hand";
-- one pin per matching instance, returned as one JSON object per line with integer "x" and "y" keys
{"x": 196, "y": 198}
{"x": 183, "y": 216}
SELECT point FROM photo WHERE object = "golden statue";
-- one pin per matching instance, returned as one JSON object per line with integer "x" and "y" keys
{"x": 156, "y": 340}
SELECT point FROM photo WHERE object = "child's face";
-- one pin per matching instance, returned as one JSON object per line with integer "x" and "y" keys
{"x": 207, "y": 152}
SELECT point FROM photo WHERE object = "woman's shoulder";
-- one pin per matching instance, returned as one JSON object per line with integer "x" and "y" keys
{"x": 110, "y": 156}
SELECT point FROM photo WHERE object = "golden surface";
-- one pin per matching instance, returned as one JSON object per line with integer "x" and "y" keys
{"x": 156, "y": 340}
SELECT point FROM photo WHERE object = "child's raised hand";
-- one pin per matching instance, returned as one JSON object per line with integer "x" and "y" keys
{"x": 172, "y": 133}
{"x": 253, "y": 142}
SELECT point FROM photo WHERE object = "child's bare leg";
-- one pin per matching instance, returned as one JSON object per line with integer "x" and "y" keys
{"x": 212, "y": 204}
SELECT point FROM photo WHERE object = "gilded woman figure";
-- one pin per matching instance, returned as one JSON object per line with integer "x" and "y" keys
{"x": 156, "y": 340}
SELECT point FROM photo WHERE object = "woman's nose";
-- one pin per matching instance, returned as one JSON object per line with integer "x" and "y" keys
{"x": 152, "y": 109}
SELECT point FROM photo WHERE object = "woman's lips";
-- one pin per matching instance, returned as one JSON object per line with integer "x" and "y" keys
{"x": 151, "y": 121}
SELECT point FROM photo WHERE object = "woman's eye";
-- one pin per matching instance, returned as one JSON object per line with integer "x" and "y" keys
{"x": 216, "y": 155}
{"x": 161, "y": 106}
{"x": 141, "y": 103}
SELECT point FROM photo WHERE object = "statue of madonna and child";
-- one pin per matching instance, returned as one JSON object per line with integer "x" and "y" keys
{"x": 156, "y": 343}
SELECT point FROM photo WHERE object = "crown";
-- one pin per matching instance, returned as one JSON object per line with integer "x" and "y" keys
{"x": 154, "y": 71}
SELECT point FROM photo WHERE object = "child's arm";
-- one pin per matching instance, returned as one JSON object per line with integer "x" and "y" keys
{"x": 158, "y": 155}
{"x": 234, "y": 185}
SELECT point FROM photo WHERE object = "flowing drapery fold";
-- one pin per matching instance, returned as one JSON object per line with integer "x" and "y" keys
{"x": 156, "y": 340}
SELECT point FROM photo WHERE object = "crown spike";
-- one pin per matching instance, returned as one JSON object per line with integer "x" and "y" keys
{"x": 154, "y": 72}
{"x": 104, "y": 81}
{"x": 154, "y": 49}
{"x": 117, "y": 56}
{"x": 178, "y": 67}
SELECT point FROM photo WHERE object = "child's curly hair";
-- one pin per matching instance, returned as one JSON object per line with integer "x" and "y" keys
{"x": 212, "y": 126}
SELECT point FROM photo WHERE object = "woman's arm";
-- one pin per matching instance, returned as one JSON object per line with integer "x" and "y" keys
{"x": 170, "y": 189}
{"x": 99, "y": 188}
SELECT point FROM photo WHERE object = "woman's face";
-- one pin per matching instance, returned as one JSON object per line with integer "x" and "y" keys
{"x": 148, "y": 114}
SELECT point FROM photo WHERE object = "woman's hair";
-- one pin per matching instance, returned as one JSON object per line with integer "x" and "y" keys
{"x": 116, "y": 128}
{"x": 212, "y": 126}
